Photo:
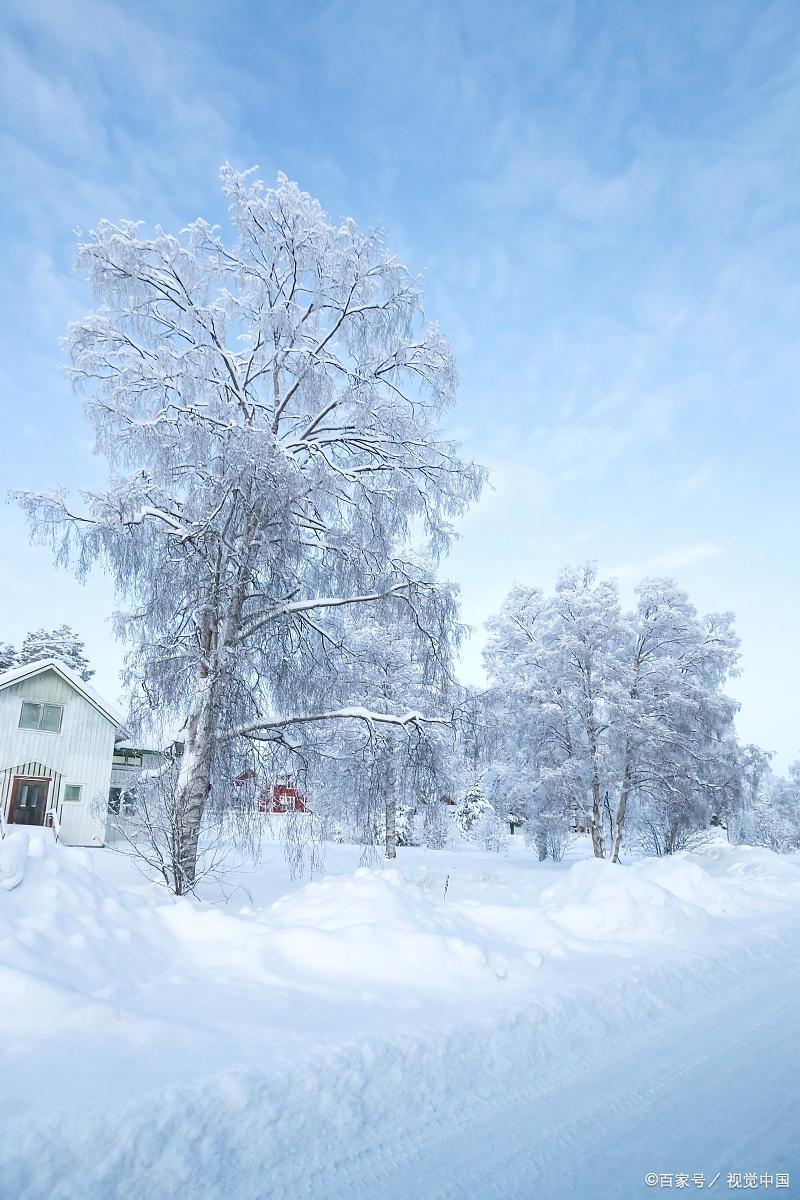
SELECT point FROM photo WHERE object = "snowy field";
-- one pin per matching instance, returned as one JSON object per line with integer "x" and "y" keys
{"x": 466, "y": 1024}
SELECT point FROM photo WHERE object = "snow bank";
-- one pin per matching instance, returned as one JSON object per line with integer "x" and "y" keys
{"x": 72, "y": 943}
{"x": 727, "y": 881}
{"x": 603, "y": 900}
{"x": 376, "y": 927}
{"x": 340, "y": 1120}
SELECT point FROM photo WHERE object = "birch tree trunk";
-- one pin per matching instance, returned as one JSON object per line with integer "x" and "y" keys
{"x": 598, "y": 836}
{"x": 194, "y": 786}
{"x": 391, "y": 810}
{"x": 622, "y": 807}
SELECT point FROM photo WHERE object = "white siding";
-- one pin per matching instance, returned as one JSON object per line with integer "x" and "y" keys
{"x": 80, "y": 754}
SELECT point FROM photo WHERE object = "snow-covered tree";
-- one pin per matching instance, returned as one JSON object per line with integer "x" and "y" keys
{"x": 607, "y": 713}
{"x": 471, "y": 806}
{"x": 269, "y": 409}
{"x": 553, "y": 661}
{"x": 435, "y": 828}
{"x": 772, "y": 816}
{"x": 8, "y": 656}
{"x": 672, "y": 719}
{"x": 62, "y": 643}
{"x": 389, "y": 665}
{"x": 491, "y": 831}
{"x": 405, "y": 824}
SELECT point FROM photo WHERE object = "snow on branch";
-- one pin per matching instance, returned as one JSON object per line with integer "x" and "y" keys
{"x": 405, "y": 721}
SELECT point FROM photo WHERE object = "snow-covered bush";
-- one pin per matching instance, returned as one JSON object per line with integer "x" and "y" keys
{"x": 406, "y": 825}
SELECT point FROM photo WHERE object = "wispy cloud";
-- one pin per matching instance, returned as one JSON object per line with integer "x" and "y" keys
{"x": 668, "y": 560}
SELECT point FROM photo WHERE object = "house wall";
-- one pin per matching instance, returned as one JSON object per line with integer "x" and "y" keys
{"x": 81, "y": 753}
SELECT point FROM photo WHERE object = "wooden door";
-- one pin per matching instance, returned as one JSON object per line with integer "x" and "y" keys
{"x": 28, "y": 801}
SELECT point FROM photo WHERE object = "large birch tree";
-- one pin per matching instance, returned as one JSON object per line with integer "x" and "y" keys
{"x": 269, "y": 407}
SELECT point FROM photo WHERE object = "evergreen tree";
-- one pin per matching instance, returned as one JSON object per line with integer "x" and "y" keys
{"x": 471, "y": 807}
{"x": 62, "y": 643}
{"x": 8, "y": 656}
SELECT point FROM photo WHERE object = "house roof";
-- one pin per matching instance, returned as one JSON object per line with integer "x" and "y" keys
{"x": 28, "y": 670}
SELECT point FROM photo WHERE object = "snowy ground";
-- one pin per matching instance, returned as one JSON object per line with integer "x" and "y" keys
{"x": 467, "y": 1025}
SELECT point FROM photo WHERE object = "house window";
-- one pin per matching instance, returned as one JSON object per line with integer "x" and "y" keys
{"x": 122, "y": 801}
{"x": 46, "y": 717}
{"x": 72, "y": 792}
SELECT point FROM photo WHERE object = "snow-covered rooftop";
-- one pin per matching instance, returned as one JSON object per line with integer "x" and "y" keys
{"x": 27, "y": 670}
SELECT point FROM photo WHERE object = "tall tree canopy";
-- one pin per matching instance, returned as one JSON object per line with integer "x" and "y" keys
{"x": 602, "y": 710}
{"x": 269, "y": 407}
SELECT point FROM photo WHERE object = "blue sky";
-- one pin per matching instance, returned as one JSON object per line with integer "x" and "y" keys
{"x": 604, "y": 198}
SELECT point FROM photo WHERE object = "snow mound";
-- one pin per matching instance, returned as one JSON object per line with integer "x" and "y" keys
{"x": 603, "y": 900}
{"x": 659, "y": 899}
{"x": 727, "y": 880}
{"x": 376, "y": 927}
{"x": 73, "y": 945}
{"x": 13, "y": 853}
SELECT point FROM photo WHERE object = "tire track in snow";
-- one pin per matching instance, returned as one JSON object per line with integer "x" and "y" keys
{"x": 531, "y": 1141}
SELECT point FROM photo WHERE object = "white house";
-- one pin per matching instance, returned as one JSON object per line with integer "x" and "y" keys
{"x": 57, "y": 738}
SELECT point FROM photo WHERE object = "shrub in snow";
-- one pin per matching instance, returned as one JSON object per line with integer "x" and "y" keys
{"x": 773, "y": 820}
{"x": 436, "y": 830}
{"x": 557, "y": 839}
{"x": 405, "y": 825}
{"x": 149, "y": 827}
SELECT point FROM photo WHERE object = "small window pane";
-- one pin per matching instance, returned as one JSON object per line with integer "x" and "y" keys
{"x": 51, "y": 718}
{"x": 30, "y": 716}
{"x": 72, "y": 792}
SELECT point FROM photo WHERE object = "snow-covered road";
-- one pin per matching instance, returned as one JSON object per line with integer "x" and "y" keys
{"x": 715, "y": 1092}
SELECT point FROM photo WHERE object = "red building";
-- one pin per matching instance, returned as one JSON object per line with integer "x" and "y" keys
{"x": 282, "y": 798}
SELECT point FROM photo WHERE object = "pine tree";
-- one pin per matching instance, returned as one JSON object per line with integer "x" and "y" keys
{"x": 62, "y": 643}
{"x": 471, "y": 807}
{"x": 8, "y": 656}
